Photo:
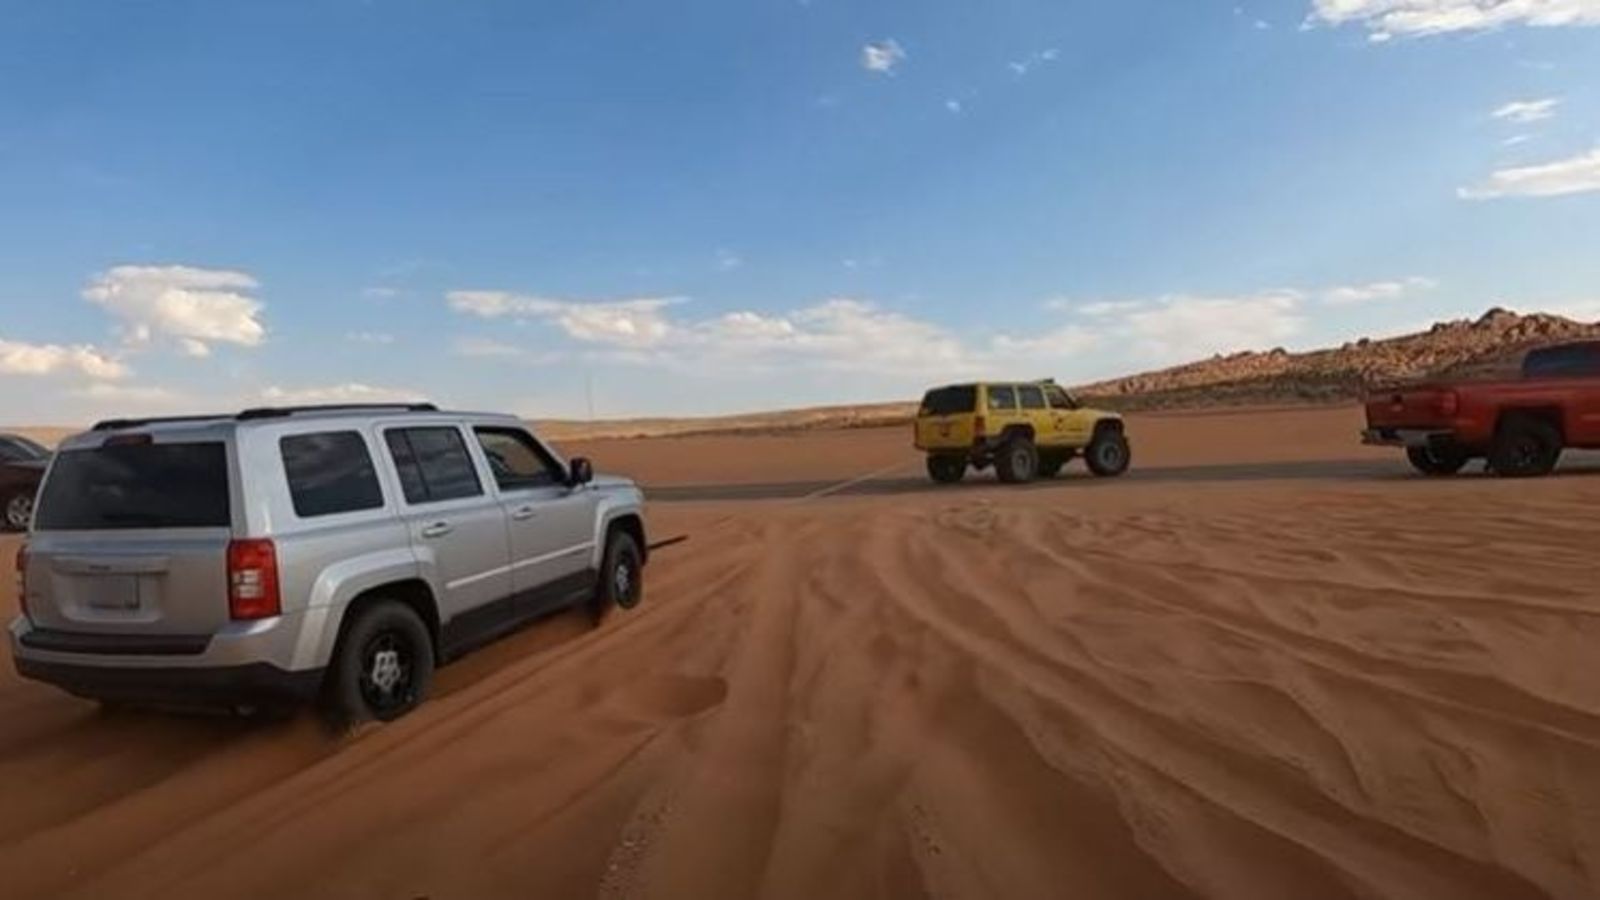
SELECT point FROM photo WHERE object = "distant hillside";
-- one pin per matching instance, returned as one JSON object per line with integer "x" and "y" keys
{"x": 822, "y": 417}
{"x": 1494, "y": 343}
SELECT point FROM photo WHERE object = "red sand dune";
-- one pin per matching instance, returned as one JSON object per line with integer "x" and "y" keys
{"x": 1267, "y": 664}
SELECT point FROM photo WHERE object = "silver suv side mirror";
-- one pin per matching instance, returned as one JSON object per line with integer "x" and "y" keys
{"x": 580, "y": 472}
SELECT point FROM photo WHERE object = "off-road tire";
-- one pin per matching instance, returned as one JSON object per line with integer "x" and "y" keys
{"x": 1108, "y": 455}
{"x": 1525, "y": 447}
{"x": 363, "y": 684}
{"x": 1017, "y": 461}
{"x": 622, "y": 591}
{"x": 946, "y": 469}
{"x": 1437, "y": 461}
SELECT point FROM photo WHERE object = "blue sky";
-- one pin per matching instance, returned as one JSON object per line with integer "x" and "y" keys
{"x": 729, "y": 204}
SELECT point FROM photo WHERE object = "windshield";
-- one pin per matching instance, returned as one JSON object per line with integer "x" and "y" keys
{"x": 137, "y": 486}
{"x": 16, "y": 448}
{"x": 949, "y": 401}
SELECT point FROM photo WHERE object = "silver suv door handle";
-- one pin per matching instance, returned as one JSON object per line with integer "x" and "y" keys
{"x": 522, "y": 512}
{"x": 437, "y": 529}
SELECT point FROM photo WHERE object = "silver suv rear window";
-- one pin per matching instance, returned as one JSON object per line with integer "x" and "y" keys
{"x": 137, "y": 486}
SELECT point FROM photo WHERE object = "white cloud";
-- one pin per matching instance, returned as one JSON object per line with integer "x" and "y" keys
{"x": 484, "y": 348}
{"x": 369, "y": 337}
{"x": 1378, "y": 290}
{"x": 953, "y": 105}
{"x": 727, "y": 260}
{"x": 1525, "y": 111}
{"x": 1578, "y": 310}
{"x": 19, "y": 358}
{"x": 1180, "y": 328}
{"x": 493, "y": 304}
{"x": 196, "y": 307}
{"x": 1102, "y": 308}
{"x": 1386, "y": 19}
{"x": 1033, "y": 60}
{"x": 636, "y": 323}
{"x": 1054, "y": 344}
{"x": 844, "y": 335}
{"x": 883, "y": 56}
{"x": 129, "y": 394}
{"x": 629, "y": 323}
{"x": 349, "y": 392}
{"x": 1516, "y": 140}
{"x": 837, "y": 334}
{"x": 1577, "y": 175}
{"x": 379, "y": 293}
{"x": 488, "y": 348}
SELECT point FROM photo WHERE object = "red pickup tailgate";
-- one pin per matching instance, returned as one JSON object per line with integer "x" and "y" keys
{"x": 1412, "y": 407}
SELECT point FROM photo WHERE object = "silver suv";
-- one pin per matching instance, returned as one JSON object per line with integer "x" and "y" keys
{"x": 257, "y": 560}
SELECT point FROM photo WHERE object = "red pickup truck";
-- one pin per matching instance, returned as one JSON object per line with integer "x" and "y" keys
{"x": 1519, "y": 425}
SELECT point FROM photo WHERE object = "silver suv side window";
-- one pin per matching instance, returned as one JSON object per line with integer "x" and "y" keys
{"x": 433, "y": 464}
{"x": 329, "y": 473}
{"x": 517, "y": 461}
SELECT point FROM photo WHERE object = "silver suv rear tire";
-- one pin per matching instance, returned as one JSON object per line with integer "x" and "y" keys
{"x": 382, "y": 667}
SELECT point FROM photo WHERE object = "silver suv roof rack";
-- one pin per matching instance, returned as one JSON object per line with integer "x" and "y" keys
{"x": 117, "y": 424}
{"x": 275, "y": 412}
{"x": 265, "y": 412}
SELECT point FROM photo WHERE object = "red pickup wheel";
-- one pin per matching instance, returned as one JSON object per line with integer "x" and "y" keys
{"x": 1525, "y": 446}
{"x": 1437, "y": 460}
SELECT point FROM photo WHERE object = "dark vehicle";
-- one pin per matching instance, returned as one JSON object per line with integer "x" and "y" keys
{"x": 1519, "y": 425}
{"x": 22, "y": 465}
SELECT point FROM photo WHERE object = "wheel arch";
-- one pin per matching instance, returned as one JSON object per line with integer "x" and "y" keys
{"x": 342, "y": 590}
{"x": 412, "y": 592}
{"x": 631, "y": 524}
{"x": 1554, "y": 416}
{"x": 1109, "y": 424}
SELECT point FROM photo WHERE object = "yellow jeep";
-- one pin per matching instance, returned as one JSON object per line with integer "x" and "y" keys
{"x": 1025, "y": 429}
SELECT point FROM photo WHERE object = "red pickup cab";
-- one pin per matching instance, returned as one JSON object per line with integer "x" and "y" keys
{"x": 1520, "y": 425}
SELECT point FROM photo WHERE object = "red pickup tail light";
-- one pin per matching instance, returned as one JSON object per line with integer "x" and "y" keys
{"x": 22, "y": 579}
{"x": 253, "y": 580}
{"x": 1449, "y": 403}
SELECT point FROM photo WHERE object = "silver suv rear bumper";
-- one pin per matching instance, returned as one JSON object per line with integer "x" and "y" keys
{"x": 245, "y": 664}
{"x": 230, "y": 688}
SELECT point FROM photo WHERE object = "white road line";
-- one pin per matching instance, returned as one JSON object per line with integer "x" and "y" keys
{"x": 814, "y": 495}
{"x": 835, "y": 488}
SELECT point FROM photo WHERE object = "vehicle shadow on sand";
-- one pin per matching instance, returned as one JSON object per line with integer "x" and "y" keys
{"x": 1314, "y": 470}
